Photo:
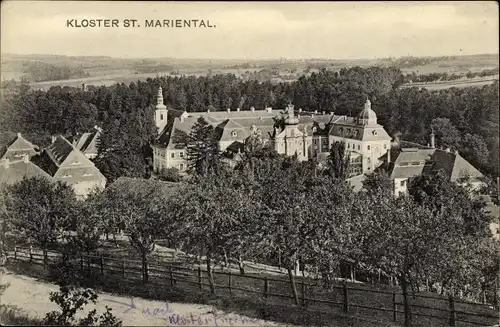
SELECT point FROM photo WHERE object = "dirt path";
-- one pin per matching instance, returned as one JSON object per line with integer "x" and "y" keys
{"x": 32, "y": 297}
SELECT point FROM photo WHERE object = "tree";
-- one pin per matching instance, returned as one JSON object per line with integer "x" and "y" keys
{"x": 338, "y": 161}
{"x": 88, "y": 226}
{"x": 379, "y": 182}
{"x": 446, "y": 133}
{"x": 144, "y": 211}
{"x": 41, "y": 210}
{"x": 170, "y": 175}
{"x": 474, "y": 149}
{"x": 202, "y": 148}
{"x": 215, "y": 213}
{"x": 71, "y": 300}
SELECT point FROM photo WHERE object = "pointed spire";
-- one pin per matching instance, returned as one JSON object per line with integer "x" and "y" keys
{"x": 159, "y": 100}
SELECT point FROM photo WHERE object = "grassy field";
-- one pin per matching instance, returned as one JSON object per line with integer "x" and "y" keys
{"x": 108, "y": 71}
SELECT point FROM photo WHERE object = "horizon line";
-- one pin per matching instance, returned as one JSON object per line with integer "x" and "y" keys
{"x": 247, "y": 59}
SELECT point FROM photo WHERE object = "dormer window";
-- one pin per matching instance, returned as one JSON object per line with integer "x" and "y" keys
{"x": 314, "y": 129}
{"x": 341, "y": 130}
{"x": 66, "y": 176}
{"x": 75, "y": 163}
{"x": 356, "y": 133}
{"x": 87, "y": 174}
{"x": 375, "y": 133}
{"x": 234, "y": 134}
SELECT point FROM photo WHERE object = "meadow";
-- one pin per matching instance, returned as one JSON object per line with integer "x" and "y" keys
{"x": 109, "y": 71}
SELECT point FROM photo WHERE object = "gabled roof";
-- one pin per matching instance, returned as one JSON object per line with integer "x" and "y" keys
{"x": 414, "y": 161}
{"x": 357, "y": 182}
{"x": 61, "y": 159}
{"x": 19, "y": 170}
{"x": 18, "y": 145}
{"x": 88, "y": 142}
{"x": 226, "y": 129}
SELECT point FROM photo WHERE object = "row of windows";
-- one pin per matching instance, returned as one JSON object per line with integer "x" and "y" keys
{"x": 84, "y": 175}
{"x": 181, "y": 155}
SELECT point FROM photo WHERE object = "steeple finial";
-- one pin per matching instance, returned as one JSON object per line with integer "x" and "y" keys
{"x": 368, "y": 104}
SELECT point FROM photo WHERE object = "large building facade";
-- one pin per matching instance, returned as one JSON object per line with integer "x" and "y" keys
{"x": 305, "y": 134}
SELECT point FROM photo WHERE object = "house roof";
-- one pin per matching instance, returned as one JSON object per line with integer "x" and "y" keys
{"x": 88, "y": 142}
{"x": 357, "y": 182}
{"x": 18, "y": 145}
{"x": 412, "y": 162}
{"x": 18, "y": 170}
{"x": 63, "y": 161}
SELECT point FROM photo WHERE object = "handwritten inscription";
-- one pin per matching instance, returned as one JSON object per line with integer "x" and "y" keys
{"x": 190, "y": 319}
{"x": 210, "y": 320}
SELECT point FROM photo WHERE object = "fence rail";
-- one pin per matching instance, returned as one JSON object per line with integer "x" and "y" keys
{"x": 309, "y": 294}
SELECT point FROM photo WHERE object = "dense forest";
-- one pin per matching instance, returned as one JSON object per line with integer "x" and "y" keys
{"x": 465, "y": 119}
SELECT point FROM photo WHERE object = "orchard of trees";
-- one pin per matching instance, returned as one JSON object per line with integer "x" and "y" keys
{"x": 125, "y": 112}
{"x": 273, "y": 208}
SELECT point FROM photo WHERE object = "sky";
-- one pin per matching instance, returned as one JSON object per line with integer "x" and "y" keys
{"x": 254, "y": 30}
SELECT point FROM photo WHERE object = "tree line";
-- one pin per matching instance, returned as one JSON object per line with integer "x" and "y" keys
{"x": 271, "y": 208}
{"x": 432, "y": 77}
{"x": 125, "y": 112}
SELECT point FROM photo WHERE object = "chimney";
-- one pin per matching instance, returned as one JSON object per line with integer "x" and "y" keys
{"x": 331, "y": 113}
{"x": 269, "y": 109}
{"x": 252, "y": 108}
{"x": 237, "y": 109}
{"x": 26, "y": 158}
{"x": 208, "y": 110}
{"x": 228, "y": 109}
{"x": 312, "y": 116}
{"x": 433, "y": 140}
{"x": 315, "y": 112}
{"x": 18, "y": 134}
{"x": 324, "y": 112}
{"x": 6, "y": 163}
{"x": 53, "y": 138}
{"x": 448, "y": 150}
{"x": 300, "y": 110}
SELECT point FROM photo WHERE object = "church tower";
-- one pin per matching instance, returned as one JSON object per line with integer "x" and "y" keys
{"x": 161, "y": 112}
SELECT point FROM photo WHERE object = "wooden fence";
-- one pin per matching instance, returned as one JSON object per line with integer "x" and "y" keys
{"x": 313, "y": 294}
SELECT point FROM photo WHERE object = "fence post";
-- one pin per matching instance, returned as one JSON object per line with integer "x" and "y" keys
{"x": 15, "y": 252}
{"x": 346, "y": 298}
{"x": 394, "y": 307}
{"x": 171, "y": 276}
{"x": 303, "y": 286}
{"x": 266, "y": 287}
{"x": 452, "y": 310}
{"x": 123, "y": 268}
{"x": 102, "y": 266}
{"x": 31, "y": 253}
{"x": 199, "y": 279}
{"x": 229, "y": 282}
